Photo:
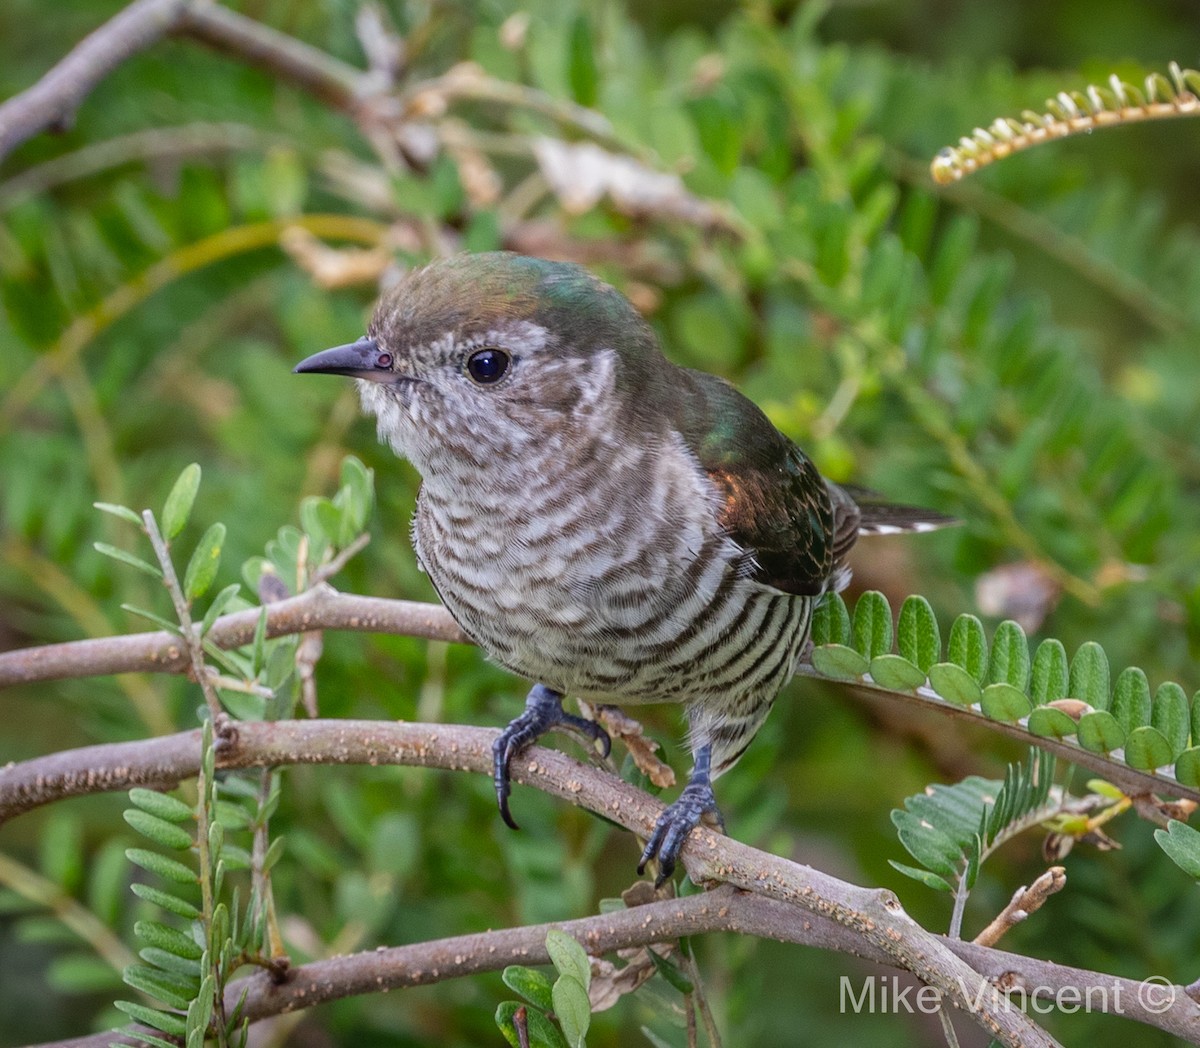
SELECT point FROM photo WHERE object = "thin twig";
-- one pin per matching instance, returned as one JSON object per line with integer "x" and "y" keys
{"x": 191, "y": 636}
{"x": 1025, "y": 900}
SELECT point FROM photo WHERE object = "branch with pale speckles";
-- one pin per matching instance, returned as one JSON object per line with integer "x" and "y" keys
{"x": 724, "y": 909}
{"x": 868, "y": 922}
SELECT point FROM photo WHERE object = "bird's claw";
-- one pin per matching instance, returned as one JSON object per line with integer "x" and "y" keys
{"x": 543, "y": 712}
{"x": 674, "y": 825}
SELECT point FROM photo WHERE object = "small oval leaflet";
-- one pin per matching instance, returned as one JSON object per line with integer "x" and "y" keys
{"x": 1003, "y": 702}
{"x": 839, "y": 662}
{"x": 1100, "y": 732}
{"x": 1146, "y": 748}
{"x": 896, "y": 673}
{"x": 872, "y": 633}
{"x": 955, "y": 684}
{"x": 1050, "y": 723}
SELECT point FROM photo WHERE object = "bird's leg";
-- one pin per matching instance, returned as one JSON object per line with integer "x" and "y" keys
{"x": 680, "y": 818}
{"x": 543, "y": 712}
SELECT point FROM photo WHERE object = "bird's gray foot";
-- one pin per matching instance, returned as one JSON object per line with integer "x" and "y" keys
{"x": 543, "y": 712}
{"x": 680, "y": 818}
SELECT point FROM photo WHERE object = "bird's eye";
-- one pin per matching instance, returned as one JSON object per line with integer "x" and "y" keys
{"x": 487, "y": 366}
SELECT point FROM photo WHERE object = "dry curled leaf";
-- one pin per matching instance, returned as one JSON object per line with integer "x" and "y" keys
{"x": 334, "y": 267}
{"x": 644, "y": 751}
{"x": 581, "y": 174}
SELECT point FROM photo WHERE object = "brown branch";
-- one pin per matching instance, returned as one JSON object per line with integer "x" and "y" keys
{"x": 835, "y": 915}
{"x": 53, "y": 100}
{"x": 162, "y": 652}
{"x": 874, "y": 917}
{"x": 317, "y": 72}
{"x": 724, "y": 909}
{"x": 325, "y": 608}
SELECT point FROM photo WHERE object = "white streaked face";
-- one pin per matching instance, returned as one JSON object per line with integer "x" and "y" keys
{"x": 476, "y": 400}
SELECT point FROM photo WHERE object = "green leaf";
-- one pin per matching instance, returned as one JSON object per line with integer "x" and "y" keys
{"x": 1100, "y": 732}
{"x": 572, "y": 1008}
{"x": 1182, "y": 843}
{"x": 1147, "y": 748}
{"x": 1169, "y": 713}
{"x": 955, "y": 684}
{"x": 1187, "y": 767}
{"x": 542, "y": 1032}
{"x": 917, "y": 636}
{"x": 147, "y": 1039}
{"x": 568, "y": 956}
{"x": 357, "y": 495}
{"x": 171, "y": 940}
{"x": 1089, "y": 676}
{"x": 1003, "y": 702}
{"x": 173, "y": 990}
{"x": 930, "y": 880}
{"x": 1196, "y": 719}
{"x": 124, "y": 512}
{"x": 170, "y": 962}
{"x": 169, "y": 902}
{"x": 152, "y": 616}
{"x": 163, "y": 833}
{"x": 831, "y": 621}
{"x": 199, "y": 1013}
{"x": 178, "y": 506}
{"x": 581, "y": 63}
{"x": 1009, "y": 662}
{"x": 202, "y": 568}
{"x": 1051, "y": 723}
{"x": 160, "y": 864}
{"x": 896, "y": 673}
{"x": 872, "y": 632}
{"x": 169, "y": 1024}
{"x": 1051, "y": 676}
{"x": 670, "y": 971}
{"x": 839, "y": 662}
{"x": 161, "y": 804}
{"x": 320, "y": 520}
{"x": 274, "y": 853}
{"x": 531, "y": 984}
{"x": 128, "y": 558}
{"x": 1131, "y": 699}
{"x": 968, "y": 647}
{"x": 258, "y": 649}
{"x": 217, "y": 608}
{"x": 928, "y": 844}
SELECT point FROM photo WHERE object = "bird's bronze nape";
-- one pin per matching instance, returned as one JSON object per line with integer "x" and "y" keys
{"x": 598, "y": 519}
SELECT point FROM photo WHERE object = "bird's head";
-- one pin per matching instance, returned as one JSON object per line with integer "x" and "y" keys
{"x": 479, "y": 356}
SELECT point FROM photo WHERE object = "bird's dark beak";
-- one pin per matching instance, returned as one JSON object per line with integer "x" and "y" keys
{"x": 361, "y": 359}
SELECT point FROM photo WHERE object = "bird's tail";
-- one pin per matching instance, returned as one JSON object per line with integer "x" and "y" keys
{"x": 878, "y": 516}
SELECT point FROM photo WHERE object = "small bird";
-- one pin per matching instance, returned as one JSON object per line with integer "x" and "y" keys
{"x": 600, "y": 521}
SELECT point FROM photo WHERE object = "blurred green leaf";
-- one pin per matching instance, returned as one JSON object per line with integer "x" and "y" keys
{"x": 178, "y": 507}
{"x": 205, "y": 560}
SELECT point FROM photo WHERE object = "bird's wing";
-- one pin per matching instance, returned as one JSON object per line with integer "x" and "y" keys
{"x": 775, "y": 504}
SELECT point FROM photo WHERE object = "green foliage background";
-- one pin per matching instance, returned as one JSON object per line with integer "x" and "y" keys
{"x": 1019, "y": 352}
